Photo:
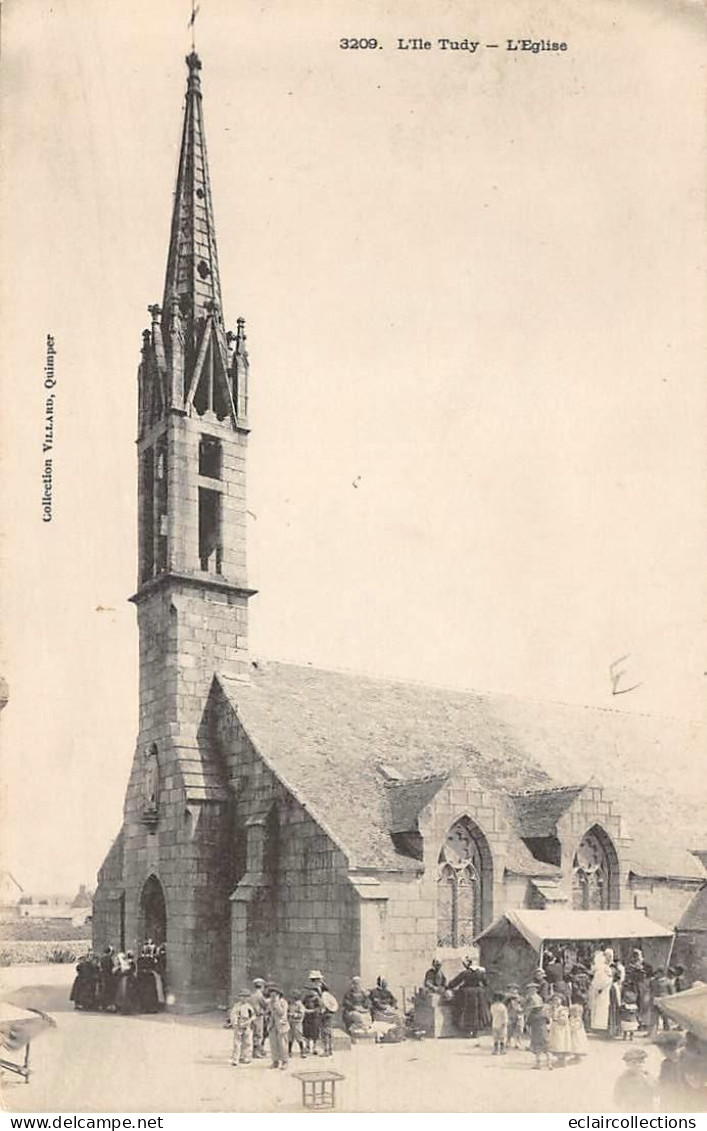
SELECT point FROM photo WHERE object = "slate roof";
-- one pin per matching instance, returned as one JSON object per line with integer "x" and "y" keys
{"x": 539, "y": 810}
{"x": 407, "y": 799}
{"x": 326, "y": 733}
{"x": 694, "y": 917}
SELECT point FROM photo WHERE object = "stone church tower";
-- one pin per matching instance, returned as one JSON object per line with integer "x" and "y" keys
{"x": 192, "y": 597}
{"x": 279, "y": 817}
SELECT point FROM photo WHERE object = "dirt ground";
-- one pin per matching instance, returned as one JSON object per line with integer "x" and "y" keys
{"x": 105, "y": 1063}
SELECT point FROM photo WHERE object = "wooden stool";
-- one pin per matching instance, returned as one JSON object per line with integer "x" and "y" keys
{"x": 319, "y": 1087}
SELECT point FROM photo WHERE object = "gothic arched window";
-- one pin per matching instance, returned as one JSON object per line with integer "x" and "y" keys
{"x": 591, "y": 874}
{"x": 459, "y": 886}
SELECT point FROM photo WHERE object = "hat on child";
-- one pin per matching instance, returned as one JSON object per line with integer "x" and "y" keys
{"x": 258, "y": 981}
{"x": 635, "y": 1055}
{"x": 244, "y": 992}
{"x": 315, "y": 974}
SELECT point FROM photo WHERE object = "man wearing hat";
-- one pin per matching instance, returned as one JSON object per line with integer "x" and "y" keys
{"x": 260, "y": 1005}
{"x": 328, "y": 1006}
{"x": 278, "y": 1027}
{"x": 634, "y": 1091}
{"x": 242, "y": 1018}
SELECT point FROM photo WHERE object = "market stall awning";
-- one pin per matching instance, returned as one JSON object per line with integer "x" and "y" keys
{"x": 538, "y": 927}
{"x": 689, "y": 1009}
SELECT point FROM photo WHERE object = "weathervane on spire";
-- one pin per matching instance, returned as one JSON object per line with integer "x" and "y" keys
{"x": 194, "y": 13}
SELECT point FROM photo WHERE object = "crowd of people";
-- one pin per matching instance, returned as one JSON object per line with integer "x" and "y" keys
{"x": 262, "y": 1012}
{"x": 550, "y": 1017}
{"x": 599, "y": 990}
{"x": 117, "y": 982}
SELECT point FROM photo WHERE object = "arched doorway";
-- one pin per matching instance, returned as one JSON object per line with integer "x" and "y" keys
{"x": 464, "y": 879}
{"x": 595, "y": 873}
{"x": 153, "y": 912}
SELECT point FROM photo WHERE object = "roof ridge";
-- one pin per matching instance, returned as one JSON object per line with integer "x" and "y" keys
{"x": 555, "y": 789}
{"x": 416, "y": 781}
{"x": 381, "y": 677}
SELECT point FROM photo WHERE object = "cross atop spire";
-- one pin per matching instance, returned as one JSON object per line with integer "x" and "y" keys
{"x": 192, "y": 266}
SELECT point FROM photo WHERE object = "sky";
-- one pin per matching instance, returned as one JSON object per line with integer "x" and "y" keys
{"x": 474, "y": 287}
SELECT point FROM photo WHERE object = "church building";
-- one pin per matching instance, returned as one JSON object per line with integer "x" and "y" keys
{"x": 279, "y": 817}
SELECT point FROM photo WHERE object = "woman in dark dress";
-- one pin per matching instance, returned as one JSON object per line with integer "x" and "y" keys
{"x": 470, "y": 1005}
{"x": 126, "y": 996}
{"x": 147, "y": 980}
{"x": 107, "y": 979}
{"x": 85, "y": 988}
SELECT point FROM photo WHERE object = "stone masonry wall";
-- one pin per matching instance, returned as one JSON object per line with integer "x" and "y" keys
{"x": 664, "y": 901}
{"x": 298, "y": 911}
{"x": 592, "y": 808}
{"x": 411, "y": 928}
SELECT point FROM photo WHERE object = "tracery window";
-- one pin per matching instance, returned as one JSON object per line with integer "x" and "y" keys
{"x": 459, "y": 887}
{"x": 591, "y": 875}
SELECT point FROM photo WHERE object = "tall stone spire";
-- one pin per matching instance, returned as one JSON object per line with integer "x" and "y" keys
{"x": 192, "y": 267}
{"x": 190, "y": 363}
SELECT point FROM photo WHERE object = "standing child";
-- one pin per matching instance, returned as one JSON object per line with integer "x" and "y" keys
{"x": 539, "y": 1025}
{"x": 242, "y": 1018}
{"x": 279, "y": 1027}
{"x": 559, "y": 1037}
{"x": 296, "y": 1021}
{"x": 634, "y": 1090}
{"x": 578, "y": 1036}
{"x": 499, "y": 1025}
{"x": 628, "y": 1014}
{"x": 515, "y": 1018}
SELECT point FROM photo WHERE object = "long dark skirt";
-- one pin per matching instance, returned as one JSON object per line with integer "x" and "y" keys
{"x": 126, "y": 996}
{"x": 147, "y": 991}
{"x": 312, "y": 1026}
{"x": 83, "y": 992}
{"x": 471, "y": 1009}
{"x": 106, "y": 990}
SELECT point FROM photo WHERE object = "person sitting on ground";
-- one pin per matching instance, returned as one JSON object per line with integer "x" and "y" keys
{"x": 356, "y": 1007}
{"x": 435, "y": 980}
{"x": 383, "y": 1002}
{"x": 634, "y": 1091}
{"x": 242, "y": 1020}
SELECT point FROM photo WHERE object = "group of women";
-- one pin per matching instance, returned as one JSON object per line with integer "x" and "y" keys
{"x": 361, "y": 1008}
{"x": 118, "y": 983}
